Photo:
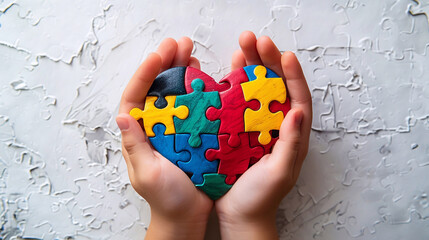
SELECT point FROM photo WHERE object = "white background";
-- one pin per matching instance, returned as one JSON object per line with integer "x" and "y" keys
{"x": 64, "y": 64}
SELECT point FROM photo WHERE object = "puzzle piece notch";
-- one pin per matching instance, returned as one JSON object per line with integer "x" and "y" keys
{"x": 164, "y": 144}
{"x": 210, "y": 84}
{"x": 265, "y": 90}
{"x": 197, "y": 123}
{"x": 198, "y": 164}
{"x": 152, "y": 115}
{"x": 253, "y": 139}
{"x": 233, "y": 106}
{"x": 420, "y": 9}
{"x": 168, "y": 83}
{"x": 214, "y": 185}
{"x": 234, "y": 161}
{"x": 280, "y": 107}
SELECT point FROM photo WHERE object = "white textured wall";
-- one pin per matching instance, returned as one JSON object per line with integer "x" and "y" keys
{"x": 64, "y": 64}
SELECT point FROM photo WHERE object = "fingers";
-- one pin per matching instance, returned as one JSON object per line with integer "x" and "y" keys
{"x": 238, "y": 60}
{"x": 269, "y": 54}
{"x": 184, "y": 50}
{"x": 247, "y": 41}
{"x": 298, "y": 90}
{"x": 136, "y": 90}
{"x": 193, "y": 62}
{"x": 295, "y": 79}
{"x": 169, "y": 54}
{"x": 286, "y": 150}
{"x": 262, "y": 51}
{"x": 167, "y": 50}
{"x": 134, "y": 141}
{"x": 299, "y": 95}
{"x": 174, "y": 54}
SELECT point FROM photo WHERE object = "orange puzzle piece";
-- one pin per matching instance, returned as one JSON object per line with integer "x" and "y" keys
{"x": 152, "y": 115}
{"x": 265, "y": 90}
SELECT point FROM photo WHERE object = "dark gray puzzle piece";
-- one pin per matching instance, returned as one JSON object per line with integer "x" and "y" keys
{"x": 168, "y": 83}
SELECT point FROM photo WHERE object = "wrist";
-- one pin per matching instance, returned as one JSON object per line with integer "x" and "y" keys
{"x": 263, "y": 227}
{"x": 164, "y": 227}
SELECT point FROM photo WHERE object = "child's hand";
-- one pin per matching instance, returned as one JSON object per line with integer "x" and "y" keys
{"x": 178, "y": 209}
{"x": 248, "y": 210}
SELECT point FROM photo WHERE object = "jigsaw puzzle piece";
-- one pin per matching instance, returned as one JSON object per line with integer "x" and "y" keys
{"x": 164, "y": 144}
{"x": 214, "y": 185}
{"x": 197, "y": 123}
{"x": 250, "y": 72}
{"x": 152, "y": 115}
{"x": 421, "y": 8}
{"x": 234, "y": 161}
{"x": 283, "y": 107}
{"x": 198, "y": 164}
{"x": 253, "y": 138}
{"x": 265, "y": 90}
{"x": 233, "y": 106}
{"x": 210, "y": 84}
{"x": 168, "y": 83}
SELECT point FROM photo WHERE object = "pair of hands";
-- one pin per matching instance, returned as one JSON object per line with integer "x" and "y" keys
{"x": 178, "y": 208}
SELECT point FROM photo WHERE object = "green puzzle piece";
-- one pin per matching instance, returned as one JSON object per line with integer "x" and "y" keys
{"x": 214, "y": 185}
{"x": 197, "y": 122}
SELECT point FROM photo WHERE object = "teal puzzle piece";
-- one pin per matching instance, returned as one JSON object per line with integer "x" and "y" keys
{"x": 197, "y": 123}
{"x": 214, "y": 185}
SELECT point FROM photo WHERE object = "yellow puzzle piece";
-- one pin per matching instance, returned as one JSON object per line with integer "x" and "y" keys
{"x": 152, "y": 115}
{"x": 265, "y": 90}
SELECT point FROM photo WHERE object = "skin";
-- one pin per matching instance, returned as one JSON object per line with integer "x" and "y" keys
{"x": 253, "y": 216}
{"x": 178, "y": 209}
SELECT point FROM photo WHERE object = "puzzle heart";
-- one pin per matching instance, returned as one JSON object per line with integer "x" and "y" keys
{"x": 214, "y": 131}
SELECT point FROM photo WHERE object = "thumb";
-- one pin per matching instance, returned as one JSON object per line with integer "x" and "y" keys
{"x": 286, "y": 149}
{"x": 134, "y": 140}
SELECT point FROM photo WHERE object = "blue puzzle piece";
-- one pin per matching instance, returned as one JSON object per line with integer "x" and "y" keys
{"x": 198, "y": 165}
{"x": 164, "y": 144}
{"x": 251, "y": 75}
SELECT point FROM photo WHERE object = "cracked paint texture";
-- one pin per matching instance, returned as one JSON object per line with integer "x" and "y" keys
{"x": 63, "y": 66}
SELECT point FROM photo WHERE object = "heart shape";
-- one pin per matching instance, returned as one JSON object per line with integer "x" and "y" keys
{"x": 214, "y": 131}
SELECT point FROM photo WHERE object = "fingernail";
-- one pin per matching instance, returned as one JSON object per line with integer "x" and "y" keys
{"x": 122, "y": 123}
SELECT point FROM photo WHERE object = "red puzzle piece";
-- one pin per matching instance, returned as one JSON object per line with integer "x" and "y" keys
{"x": 233, "y": 106}
{"x": 234, "y": 161}
{"x": 276, "y": 106}
{"x": 210, "y": 84}
{"x": 254, "y": 142}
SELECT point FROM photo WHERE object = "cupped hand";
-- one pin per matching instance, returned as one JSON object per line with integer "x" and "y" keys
{"x": 175, "y": 202}
{"x": 253, "y": 200}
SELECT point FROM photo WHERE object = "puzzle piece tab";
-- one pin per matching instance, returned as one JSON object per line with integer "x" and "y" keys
{"x": 152, "y": 115}
{"x": 233, "y": 107}
{"x": 265, "y": 90}
{"x": 214, "y": 185}
{"x": 197, "y": 123}
{"x": 250, "y": 71}
{"x": 234, "y": 161}
{"x": 253, "y": 137}
{"x": 164, "y": 144}
{"x": 168, "y": 83}
{"x": 210, "y": 84}
{"x": 198, "y": 164}
{"x": 283, "y": 107}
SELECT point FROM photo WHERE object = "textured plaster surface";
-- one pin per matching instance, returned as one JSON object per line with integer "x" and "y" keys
{"x": 64, "y": 64}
